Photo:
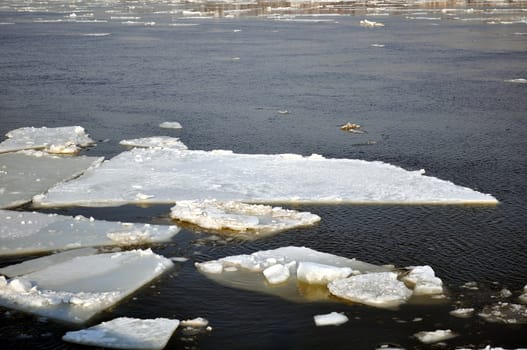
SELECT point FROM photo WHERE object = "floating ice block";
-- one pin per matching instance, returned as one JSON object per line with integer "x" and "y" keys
{"x": 155, "y": 142}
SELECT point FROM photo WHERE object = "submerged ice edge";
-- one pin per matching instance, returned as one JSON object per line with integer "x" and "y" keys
{"x": 166, "y": 176}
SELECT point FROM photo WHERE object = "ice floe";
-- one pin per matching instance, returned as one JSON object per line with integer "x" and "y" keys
{"x": 523, "y": 297}
{"x": 331, "y": 319}
{"x": 370, "y": 24}
{"x": 462, "y": 312}
{"x": 429, "y": 337}
{"x": 30, "y": 232}
{"x": 65, "y": 139}
{"x": 126, "y": 333}
{"x": 517, "y": 81}
{"x": 155, "y": 142}
{"x": 28, "y": 173}
{"x": 302, "y": 274}
{"x": 170, "y": 125}
{"x": 168, "y": 175}
{"x": 381, "y": 289}
{"x": 240, "y": 217}
{"x": 424, "y": 281}
{"x": 505, "y": 313}
{"x": 77, "y": 289}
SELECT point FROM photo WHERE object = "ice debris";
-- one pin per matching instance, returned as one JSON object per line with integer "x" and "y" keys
{"x": 126, "y": 333}
{"x": 370, "y": 24}
{"x": 381, "y": 289}
{"x": 429, "y": 337}
{"x": 517, "y": 81}
{"x": 30, "y": 232}
{"x": 523, "y": 297}
{"x": 331, "y": 319}
{"x": 505, "y": 313}
{"x": 155, "y": 142}
{"x": 352, "y": 127}
{"x": 64, "y": 140}
{"x": 77, "y": 289}
{"x": 171, "y": 175}
{"x": 29, "y": 173}
{"x": 240, "y": 217}
{"x": 424, "y": 281}
{"x": 462, "y": 312}
{"x": 198, "y": 322}
{"x": 300, "y": 274}
{"x": 170, "y": 125}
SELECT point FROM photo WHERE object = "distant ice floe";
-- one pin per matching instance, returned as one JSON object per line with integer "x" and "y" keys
{"x": 75, "y": 290}
{"x": 507, "y": 313}
{"x": 166, "y": 176}
{"x": 170, "y": 125}
{"x": 331, "y": 319}
{"x": 63, "y": 140}
{"x": 155, "y": 142}
{"x": 30, "y": 232}
{"x": 435, "y": 336}
{"x": 28, "y": 173}
{"x": 240, "y": 217}
{"x": 370, "y": 24}
{"x": 517, "y": 81}
{"x": 463, "y": 312}
{"x": 126, "y": 333}
{"x": 302, "y": 274}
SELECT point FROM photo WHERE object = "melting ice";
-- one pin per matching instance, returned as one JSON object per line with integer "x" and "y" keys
{"x": 167, "y": 176}
{"x": 30, "y": 232}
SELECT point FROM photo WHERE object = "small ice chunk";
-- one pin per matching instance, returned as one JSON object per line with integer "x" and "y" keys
{"x": 429, "y": 337}
{"x": 424, "y": 281}
{"x": 179, "y": 259}
{"x": 507, "y": 313}
{"x": 210, "y": 267}
{"x": 20, "y": 285}
{"x": 523, "y": 297}
{"x": 198, "y": 322}
{"x": 170, "y": 125}
{"x": 370, "y": 24}
{"x": 462, "y": 312}
{"x": 314, "y": 273}
{"x": 126, "y": 333}
{"x": 237, "y": 216}
{"x": 331, "y": 319}
{"x": 155, "y": 142}
{"x": 517, "y": 81}
{"x": 52, "y": 140}
{"x": 380, "y": 289}
{"x": 276, "y": 274}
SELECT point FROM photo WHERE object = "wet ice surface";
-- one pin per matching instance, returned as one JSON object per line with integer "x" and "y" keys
{"x": 31, "y": 232}
{"x": 171, "y": 175}
{"x": 126, "y": 333}
{"x": 62, "y": 140}
{"x": 434, "y": 97}
{"x": 26, "y": 174}
{"x": 75, "y": 290}
{"x": 240, "y": 217}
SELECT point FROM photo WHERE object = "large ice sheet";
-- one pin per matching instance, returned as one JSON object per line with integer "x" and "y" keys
{"x": 77, "y": 289}
{"x": 155, "y": 142}
{"x": 65, "y": 140}
{"x": 126, "y": 333}
{"x": 30, "y": 232}
{"x": 29, "y": 173}
{"x": 241, "y": 217}
{"x": 169, "y": 175}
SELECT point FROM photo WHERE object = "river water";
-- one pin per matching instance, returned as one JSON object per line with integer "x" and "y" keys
{"x": 430, "y": 88}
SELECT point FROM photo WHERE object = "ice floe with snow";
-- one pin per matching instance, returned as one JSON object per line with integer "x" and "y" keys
{"x": 126, "y": 333}
{"x": 31, "y": 232}
{"x": 75, "y": 290}
{"x": 507, "y": 313}
{"x": 63, "y": 140}
{"x": 28, "y": 173}
{"x": 429, "y": 337}
{"x": 155, "y": 142}
{"x": 166, "y": 176}
{"x": 331, "y": 319}
{"x": 258, "y": 219}
{"x": 302, "y": 274}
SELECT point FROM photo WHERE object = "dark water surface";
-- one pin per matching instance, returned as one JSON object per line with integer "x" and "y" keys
{"x": 433, "y": 97}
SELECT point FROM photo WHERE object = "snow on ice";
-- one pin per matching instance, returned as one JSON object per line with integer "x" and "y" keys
{"x": 30, "y": 232}
{"x": 331, "y": 319}
{"x": 29, "y": 173}
{"x": 77, "y": 289}
{"x": 64, "y": 140}
{"x": 167, "y": 176}
{"x": 300, "y": 274}
{"x": 429, "y": 337}
{"x": 240, "y": 217}
{"x": 126, "y": 333}
{"x": 155, "y": 142}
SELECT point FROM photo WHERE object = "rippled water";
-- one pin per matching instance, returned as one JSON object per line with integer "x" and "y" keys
{"x": 433, "y": 97}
